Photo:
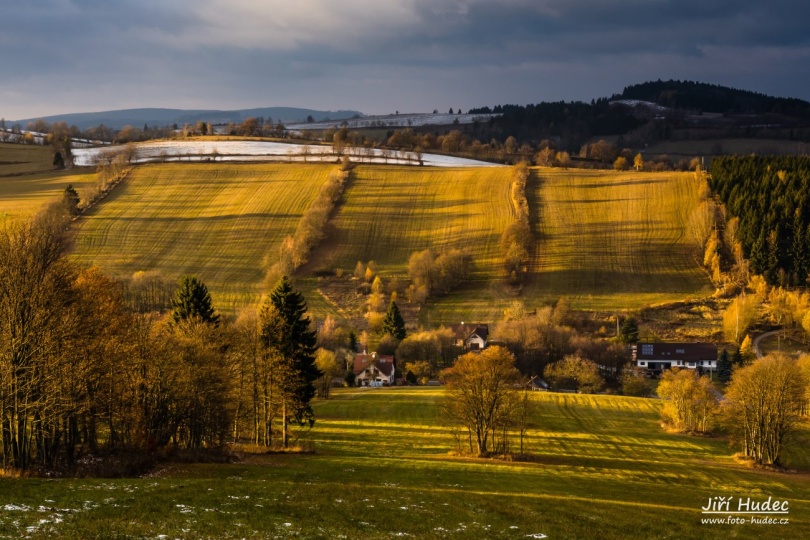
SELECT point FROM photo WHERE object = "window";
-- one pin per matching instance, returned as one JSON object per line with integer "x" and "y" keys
{"x": 680, "y": 351}
{"x": 647, "y": 349}
{"x": 643, "y": 363}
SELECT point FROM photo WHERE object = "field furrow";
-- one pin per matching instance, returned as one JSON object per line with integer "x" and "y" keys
{"x": 613, "y": 241}
{"x": 215, "y": 221}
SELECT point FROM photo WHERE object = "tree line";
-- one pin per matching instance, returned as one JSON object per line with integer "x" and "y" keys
{"x": 81, "y": 372}
{"x": 770, "y": 197}
{"x": 296, "y": 248}
{"x": 517, "y": 240}
{"x": 762, "y": 408}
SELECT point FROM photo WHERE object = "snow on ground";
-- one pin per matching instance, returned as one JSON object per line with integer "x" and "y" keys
{"x": 396, "y": 120}
{"x": 637, "y": 102}
{"x": 270, "y": 151}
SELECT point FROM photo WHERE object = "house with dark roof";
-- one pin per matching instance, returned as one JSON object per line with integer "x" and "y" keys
{"x": 374, "y": 370}
{"x": 656, "y": 357}
{"x": 470, "y": 337}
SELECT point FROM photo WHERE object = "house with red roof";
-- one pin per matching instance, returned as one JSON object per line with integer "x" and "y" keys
{"x": 374, "y": 370}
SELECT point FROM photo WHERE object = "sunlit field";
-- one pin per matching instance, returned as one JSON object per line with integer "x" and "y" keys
{"x": 28, "y": 181}
{"x": 390, "y": 212}
{"x": 382, "y": 468}
{"x": 613, "y": 240}
{"x": 216, "y": 221}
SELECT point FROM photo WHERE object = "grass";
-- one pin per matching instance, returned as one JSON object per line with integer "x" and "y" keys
{"x": 217, "y": 221}
{"x": 613, "y": 241}
{"x": 28, "y": 181}
{"x": 24, "y": 159}
{"x": 603, "y": 468}
{"x": 608, "y": 241}
{"x": 390, "y": 212}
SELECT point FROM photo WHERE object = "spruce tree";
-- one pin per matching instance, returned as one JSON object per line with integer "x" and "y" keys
{"x": 71, "y": 200}
{"x": 286, "y": 333}
{"x": 393, "y": 323}
{"x": 629, "y": 331}
{"x": 724, "y": 366}
{"x": 737, "y": 358}
{"x": 192, "y": 300}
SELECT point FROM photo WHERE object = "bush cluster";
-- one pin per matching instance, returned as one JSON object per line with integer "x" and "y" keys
{"x": 295, "y": 249}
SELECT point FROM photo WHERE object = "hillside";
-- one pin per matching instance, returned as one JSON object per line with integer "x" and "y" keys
{"x": 606, "y": 240}
{"x": 614, "y": 240}
{"x": 28, "y": 180}
{"x": 703, "y": 97}
{"x": 166, "y": 117}
{"x": 215, "y": 221}
{"x": 382, "y": 468}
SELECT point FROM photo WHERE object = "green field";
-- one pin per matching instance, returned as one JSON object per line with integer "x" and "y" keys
{"x": 613, "y": 240}
{"x": 382, "y": 468}
{"x": 216, "y": 221}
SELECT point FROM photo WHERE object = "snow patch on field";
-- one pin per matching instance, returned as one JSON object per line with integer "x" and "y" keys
{"x": 195, "y": 151}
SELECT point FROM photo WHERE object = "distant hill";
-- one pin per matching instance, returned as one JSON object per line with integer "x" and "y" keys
{"x": 669, "y": 110}
{"x": 166, "y": 117}
{"x": 703, "y": 97}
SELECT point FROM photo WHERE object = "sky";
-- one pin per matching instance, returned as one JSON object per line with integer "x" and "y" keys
{"x": 381, "y": 56}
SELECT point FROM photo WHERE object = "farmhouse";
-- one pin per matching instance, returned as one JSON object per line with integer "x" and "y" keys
{"x": 656, "y": 357}
{"x": 470, "y": 337}
{"x": 374, "y": 370}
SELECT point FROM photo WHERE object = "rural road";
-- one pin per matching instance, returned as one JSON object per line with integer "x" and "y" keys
{"x": 755, "y": 344}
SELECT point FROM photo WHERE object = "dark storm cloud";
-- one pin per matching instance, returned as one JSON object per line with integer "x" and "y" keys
{"x": 377, "y": 56}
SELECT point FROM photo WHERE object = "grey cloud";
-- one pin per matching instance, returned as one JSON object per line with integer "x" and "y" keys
{"x": 381, "y": 56}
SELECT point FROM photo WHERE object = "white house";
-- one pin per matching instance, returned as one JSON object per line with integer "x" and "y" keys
{"x": 374, "y": 370}
{"x": 471, "y": 337}
{"x": 656, "y": 357}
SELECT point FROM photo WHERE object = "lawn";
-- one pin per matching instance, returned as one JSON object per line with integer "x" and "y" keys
{"x": 613, "y": 241}
{"x": 217, "y": 221}
{"x": 603, "y": 468}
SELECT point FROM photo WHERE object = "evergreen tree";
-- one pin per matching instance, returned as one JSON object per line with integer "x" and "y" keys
{"x": 192, "y": 300}
{"x": 393, "y": 323}
{"x": 771, "y": 272}
{"x": 286, "y": 333}
{"x": 724, "y": 366}
{"x": 629, "y": 331}
{"x": 737, "y": 358}
{"x": 758, "y": 256}
{"x": 71, "y": 199}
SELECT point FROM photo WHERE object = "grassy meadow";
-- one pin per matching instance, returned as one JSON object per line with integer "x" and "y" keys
{"x": 217, "y": 221}
{"x": 611, "y": 240}
{"x": 382, "y": 467}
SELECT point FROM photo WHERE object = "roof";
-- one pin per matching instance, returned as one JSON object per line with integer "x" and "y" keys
{"x": 688, "y": 352}
{"x": 465, "y": 331}
{"x": 384, "y": 363}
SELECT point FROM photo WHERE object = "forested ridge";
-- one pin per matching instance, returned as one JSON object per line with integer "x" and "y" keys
{"x": 771, "y": 198}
